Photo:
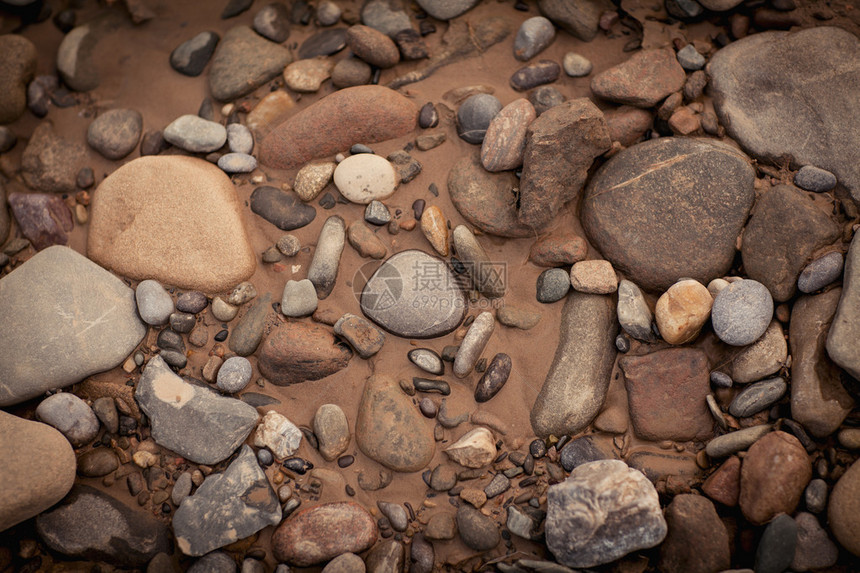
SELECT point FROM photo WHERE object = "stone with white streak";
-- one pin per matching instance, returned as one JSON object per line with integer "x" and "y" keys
{"x": 278, "y": 434}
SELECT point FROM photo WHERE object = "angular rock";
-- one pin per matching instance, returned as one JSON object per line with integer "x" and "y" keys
{"x": 390, "y": 430}
{"x": 323, "y": 43}
{"x": 766, "y": 355}
{"x": 115, "y": 133}
{"x": 307, "y": 76}
{"x": 16, "y": 70}
{"x": 560, "y": 148}
{"x": 65, "y": 296}
{"x": 686, "y": 222}
{"x": 843, "y": 509}
{"x": 724, "y": 484}
{"x": 323, "y": 532}
{"x": 191, "y": 420}
{"x": 228, "y": 507}
{"x": 43, "y": 218}
{"x": 277, "y": 433}
{"x": 244, "y": 61}
{"x": 505, "y": 140}
{"x": 785, "y": 229}
{"x": 92, "y": 525}
{"x": 771, "y": 127}
{"x": 396, "y": 297}
{"x": 581, "y": 19}
{"x": 814, "y": 548}
{"x": 140, "y": 228}
{"x": 368, "y": 114}
{"x": 642, "y": 81}
{"x": 697, "y": 541}
{"x": 634, "y": 315}
{"x": 843, "y": 337}
{"x": 578, "y": 379}
{"x": 50, "y": 162}
{"x": 191, "y": 56}
{"x": 819, "y": 401}
{"x": 667, "y": 391}
{"x": 281, "y": 208}
{"x": 475, "y": 449}
{"x": 299, "y": 351}
{"x": 602, "y": 511}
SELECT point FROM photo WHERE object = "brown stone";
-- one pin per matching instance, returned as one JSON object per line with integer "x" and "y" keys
{"x": 844, "y": 509}
{"x": 368, "y": 114}
{"x": 697, "y": 541}
{"x": 560, "y": 147}
{"x": 301, "y": 351}
{"x": 627, "y": 124}
{"x": 365, "y": 241}
{"x": 323, "y": 532}
{"x": 666, "y": 392}
{"x": 682, "y": 311}
{"x": 441, "y": 527}
{"x": 558, "y": 250}
{"x": 51, "y": 163}
{"x": 505, "y": 140}
{"x": 17, "y": 67}
{"x": 372, "y": 46}
{"x": 774, "y": 474}
{"x": 684, "y": 121}
{"x": 643, "y": 80}
{"x": 724, "y": 485}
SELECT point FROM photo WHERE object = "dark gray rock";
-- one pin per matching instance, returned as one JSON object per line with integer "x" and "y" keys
{"x": 474, "y": 116}
{"x": 273, "y": 22}
{"x": 227, "y": 507}
{"x": 192, "y": 420}
{"x": 322, "y": 271}
{"x": 764, "y": 105}
{"x": 60, "y": 303}
{"x": 235, "y": 7}
{"x": 281, "y": 208}
{"x": 814, "y": 179}
{"x": 534, "y": 75}
{"x": 742, "y": 312}
{"x": 71, "y": 416}
{"x": 91, "y": 525}
{"x": 534, "y": 35}
{"x": 191, "y": 302}
{"x": 497, "y": 486}
{"x": 248, "y": 332}
{"x": 494, "y": 377}
{"x": 244, "y": 61}
{"x": 215, "y": 562}
{"x": 667, "y": 217}
{"x": 785, "y": 229}
{"x": 396, "y": 297}
{"x": 821, "y": 272}
{"x": 115, "y": 133}
{"x": 42, "y": 218}
{"x": 843, "y": 340}
{"x": 578, "y": 18}
{"x": 478, "y": 531}
{"x": 581, "y": 451}
{"x": 191, "y": 56}
{"x": 545, "y": 98}
{"x": 756, "y": 397}
{"x": 323, "y": 43}
{"x": 552, "y": 285}
{"x": 778, "y": 542}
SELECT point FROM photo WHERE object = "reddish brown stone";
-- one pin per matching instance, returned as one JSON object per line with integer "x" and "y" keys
{"x": 666, "y": 391}
{"x": 367, "y": 114}
{"x": 627, "y": 124}
{"x": 643, "y": 80}
{"x": 321, "y": 533}
{"x": 44, "y": 219}
{"x": 558, "y": 250}
{"x": 724, "y": 485}
{"x": 697, "y": 541}
{"x": 300, "y": 351}
{"x": 372, "y": 46}
{"x": 775, "y": 472}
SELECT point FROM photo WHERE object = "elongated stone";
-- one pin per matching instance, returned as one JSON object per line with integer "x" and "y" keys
{"x": 473, "y": 344}
{"x": 487, "y": 277}
{"x": 324, "y": 266}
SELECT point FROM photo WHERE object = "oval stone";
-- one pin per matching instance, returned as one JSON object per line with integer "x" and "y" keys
{"x": 365, "y": 177}
{"x": 494, "y": 378}
{"x": 300, "y": 351}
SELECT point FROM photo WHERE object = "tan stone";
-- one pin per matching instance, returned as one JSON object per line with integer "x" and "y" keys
{"x": 435, "y": 228}
{"x": 312, "y": 179}
{"x": 271, "y": 111}
{"x": 307, "y": 76}
{"x": 682, "y": 311}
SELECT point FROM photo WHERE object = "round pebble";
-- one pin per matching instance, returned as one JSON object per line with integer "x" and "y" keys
{"x": 328, "y": 13}
{"x": 427, "y": 360}
{"x": 544, "y": 98}
{"x": 234, "y": 374}
{"x": 721, "y": 379}
{"x": 195, "y": 134}
{"x": 821, "y": 272}
{"x": 427, "y": 407}
{"x": 814, "y": 179}
{"x": 428, "y": 116}
{"x": 741, "y": 312}
{"x": 475, "y": 115}
{"x": 153, "y": 303}
{"x": 622, "y": 343}
{"x": 576, "y": 65}
{"x": 552, "y": 285}
{"x": 364, "y": 177}
{"x": 71, "y": 416}
{"x": 350, "y": 72}
{"x": 191, "y": 302}
{"x": 265, "y": 457}
{"x": 239, "y": 138}
{"x": 115, "y": 133}
{"x": 222, "y": 310}
{"x": 237, "y": 163}
{"x": 534, "y": 35}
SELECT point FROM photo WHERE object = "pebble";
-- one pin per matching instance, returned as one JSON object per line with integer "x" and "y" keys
{"x": 517, "y": 317}
{"x": 634, "y": 315}
{"x": 443, "y": 478}
{"x": 312, "y": 179}
{"x": 427, "y": 360}
{"x": 774, "y": 474}
{"x": 763, "y": 357}
{"x": 307, "y": 76}
{"x": 742, "y": 312}
{"x": 777, "y": 546}
{"x": 395, "y": 513}
{"x": 265, "y": 458}
{"x": 273, "y": 22}
{"x": 690, "y": 59}
{"x": 243, "y": 62}
{"x": 558, "y": 250}
{"x": 475, "y": 449}
{"x": 478, "y": 531}
{"x": 365, "y": 338}
{"x": 446, "y": 9}
{"x": 473, "y": 344}
{"x": 248, "y": 332}
{"x": 191, "y": 56}
{"x": 105, "y": 410}
{"x": 435, "y": 228}
{"x": 195, "y": 134}
{"x": 428, "y": 407}
{"x": 849, "y": 438}
{"x": 279, "y": 434}
{"x": 494, "y": 378}
{"x": 486, "y": 277}
{"x": 365, "y": 177}
{"x": 814, "y": 549}
{"x": 497, "y": 486}
{"x": 426, "y": 385}
{"x": 441, "y": 527}
{"x": 814, "y": 179}
{"x": 323, "y": 43}
{"x": 288, "y": 245}
{"x": 181, "y": 489}
{"x": 50, "y": 163}
{"x": 345, "y": 562}
{"x": 757, "y": 397}
{"x": 505, "y": 138}
{"x": 365, "y": 241}
{"x": 332, "y": 431}
{"x": 237, "y": 163}
{"x": 644, "y": 80}
{"x": 737, "y": 441}
{"x": 71, "y": 416}
{"x": 223, "y": 311}
{"x": 372, "y": 46}
{"x": 328, "y": 13}
{"x": 596, "y": 494}
{"x": 594, "y": 276}
{"x": 545, "y": 98}
{"x": 115, "y": 133}
{"x": 376, "y": 213}
{"x": 299, "y": 299}
{"x": 281, "y": 208}
{"x": 239, "y": 138}
{"x": 721, "y": 379}
{"x": 153, "y": 303}
{"x": 682, "y": 311}
{"x": 576, "y": 65}
{"x": 697, "y": 539}
{"x": 475, "y": 115}
{"x": 97, "y": 463}
{"x": 815, "y": 495}
{"x": 322, "y": 271}
{"x": 16, "y": 71}
{"x": 234, "y": 8}
{"x": 552, "y": 285}
{"x": 349, "y": 72}
{"x": 234, "y": 375}
{"x": 533, "y": 37}
{"x": 821, "y": 272}
{"x": 8, "y": 139}
{"x": 844, "y": 509}
{"x": 214, "y": 562}
{"x": 534, "y": 75}
{"x": 428, "y": 116}
{"x": 299, "y": 351}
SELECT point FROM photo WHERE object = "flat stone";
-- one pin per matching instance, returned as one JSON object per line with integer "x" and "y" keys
{"x": 195, "y": 134}
{"x": 307, "y": 76}
{"x": 843, "y": 337}
{"x": 281, "y": 208}
{"x": 365, "y": 177}
{"x": 273, "y": 22}
{"x": 300, "y": 351}
{"x": 771, "y": 127}
{"x": 232, "y": 163}
{"x": 91, "y": 525}
{"x": 560, "y": 148}
{"x": 299, "y": 299}
{"x": 321, "y": 533}
{"x": 556, "y": 250}
{"x": 774, "y": 474}
{"x": 737, "y": 441}
{"x": 228, "y": 507}
{"x": 115, "y": 133}
{"x": 191, "y": 56}
{"x": 368, "y": 114}
{"x": 534, "y": 35}
{"x": 642, "y": 81}
{"x": 71, "y": 416}
{"x": 594, "y": 277}
{"x": 396, "y": 297}
{"x": 819, "y": 401}
{"x": 209, "y": 253}
{"x": 322, "y": 271}
{"x": 571, "y": 396}
{"x": 763, "y": 357}
{"x": 191, "y": 420}
{"x": 244, "y": 61}
{"x": 16, "y": 71}
{"x": 821, "y": 272}
{"x": 505, "y": 140}
{"x": 673, "y": 237}
{"x": 38, "y": 468}
{"x": 65, "y": 295}
{"x": 478, "y": 531}
{"x": 785, "y": 229}
{"x": 742, "y": 312}
{"x": 50, "y": 162}
{"x": 390, "y": 430}
{"x": 756, "y": 397}
{"x": 666, "y": 391}
{"x": 602, "y": 511}
{"x": 843, "y": 509}
{"x": 697, "y": 541}
{"x": 44, "y": 219}
{"x": 814, "y": 179}
{"x": 581, "y": 19}
{"x": 323, "y": 43}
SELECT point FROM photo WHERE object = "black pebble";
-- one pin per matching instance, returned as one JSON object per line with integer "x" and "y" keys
{"x": 221, "y": 336}
{"x": 537, "y": 448}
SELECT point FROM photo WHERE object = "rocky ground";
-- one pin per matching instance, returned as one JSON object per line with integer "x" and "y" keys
{"x": 441, "y": 285}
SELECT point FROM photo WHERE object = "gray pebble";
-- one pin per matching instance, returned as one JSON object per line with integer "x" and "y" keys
{"x": 239, "y": 138}
{"x": 741, "y": 312}
{"x": 191, "y": 302}
{"x": 690, "y": 59}
{"x": 242, "y": 293}
{"x": 427, "y": 360}
{"x": 8, "y": 139}
{"x": 71, "y": 416}
{"x": 182, "y": 322}
{"x": 428, "y": 407}
{"x": 195, "y": 134}
{"x": 299, "y": 299}
{"x": 105, "y": 410}
{"x": 115, "y": 133}
{"x": 777, "y": 546}
{"x": 622, "y": 343}
{"x": 350, "y": 72}
{"x": 576, "y": 65}
{"x": 376, "y": 213}
{"x": 552, "y": 285}
{"x": 815, "y": 495}
{"x": 234, "y": 374}
{"x": 497, "y": 486}
{"x": 534, "y": 35}
{"x": 215, "y": 562}
{"x": 757, "y": 397}
{"x": 328, "y": 13}
{"x": 634, "y": 315}
{"x": 191, "y": 56}
{"x": 544, "y": 98}
{"x": 821, "y": 272}
{"x": 814, "y": 179}
{"x": 473, "y": 344}
{"x": 732, "y": 442}
{"x": 251, "y": 565}
{"x": 181, "y": 489}
{"x": 428, "y": 116}
{"x": 223, "y": 311}
{"x": 153, "y": 303}
{"x": 395, "y": 514}
{"x": 273, "y": 22}
{"x": 322, "y": 271}
{"x": 721, "y": 379}
{"x": 475, "y": 115}
{"x": 265, "y": 457}
{"x": 237, "y": 163}
{"x": 174, "y": 358}
{"x": 289, "y": 245}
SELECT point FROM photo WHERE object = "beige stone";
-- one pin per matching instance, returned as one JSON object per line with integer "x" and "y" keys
{"x": 682, "y": 311}
{"x": 272, "y": 110}
{"x": 475, "y": 449}
{"x": 312, "y": 179}
{"x": 307, "y": 76}
{"x": 435, "y": 228}
{"x": 595, "y": 277}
